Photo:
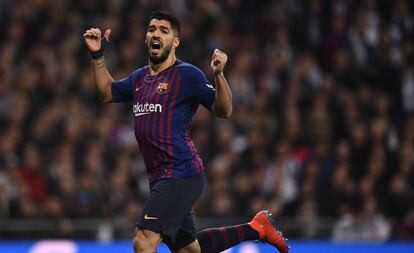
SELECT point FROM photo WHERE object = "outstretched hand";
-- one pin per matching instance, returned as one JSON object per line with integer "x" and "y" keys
{"x": 218, "y": 61}
{"x": 93, "y": 38}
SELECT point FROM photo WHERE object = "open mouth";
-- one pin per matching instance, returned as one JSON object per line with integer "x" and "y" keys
{"x": 155, "y": 46}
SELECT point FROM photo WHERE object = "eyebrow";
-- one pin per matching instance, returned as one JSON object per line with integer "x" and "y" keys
{"x": 161, "y": 27}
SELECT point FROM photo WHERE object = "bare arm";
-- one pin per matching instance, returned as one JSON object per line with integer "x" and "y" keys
{"x": 222, "y": 106}
{"x": 103, "y": 79}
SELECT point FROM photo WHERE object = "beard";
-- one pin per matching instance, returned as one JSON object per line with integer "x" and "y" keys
{"x": 161, "y": 58}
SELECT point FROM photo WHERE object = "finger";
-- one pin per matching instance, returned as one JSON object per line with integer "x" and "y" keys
{"x": 222, "y": 58}
{"x": 88, "y": 32}
{"x": 89, "y": 35}
{"x": 215, "y": 53}
{"x": 107, "y": 33}
{"x": 216, "y": 62}
{"x": 219, "y": 52}
{"x": 98, "y": 31}
{"x": 93, "y": 34}
{"x": 213, "y": 65}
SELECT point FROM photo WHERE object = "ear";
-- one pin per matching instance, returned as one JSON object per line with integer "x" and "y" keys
{"x": 176, "y": 42}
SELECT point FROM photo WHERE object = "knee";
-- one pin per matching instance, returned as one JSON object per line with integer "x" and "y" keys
{"x": 193, "y": 247}
{"x": 138, "y": 244}
{"x": 143, "y": 243}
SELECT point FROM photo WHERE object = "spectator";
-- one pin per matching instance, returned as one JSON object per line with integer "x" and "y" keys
{"x": 363, "y": 223}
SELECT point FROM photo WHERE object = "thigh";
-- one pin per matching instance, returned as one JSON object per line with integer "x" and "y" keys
{"x": 193, "y": 247}
{"x": 169, "y": 203}
{"x": 145, "y": 240}
{"x": 185, "y": 236}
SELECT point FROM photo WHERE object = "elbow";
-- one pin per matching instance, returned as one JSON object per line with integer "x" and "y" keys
{"x": 222, "y": 110}
{"x": 225, "y": 113}
{"x": 105, "y": 99}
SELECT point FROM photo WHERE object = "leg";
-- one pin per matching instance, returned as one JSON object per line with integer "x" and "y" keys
{"x": 262, "y": 228}
{"x": 167, "y": 215}
{"x": 215, "y": 240}
{"x": 193, "y": 247}
{"x": 146, "y": 241}
{"x": 186, "y": 238}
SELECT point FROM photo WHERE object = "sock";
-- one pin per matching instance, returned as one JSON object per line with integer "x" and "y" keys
{"x": 215, "y": 240}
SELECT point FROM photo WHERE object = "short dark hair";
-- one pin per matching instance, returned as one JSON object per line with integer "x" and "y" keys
{"x": 162, "y": 15}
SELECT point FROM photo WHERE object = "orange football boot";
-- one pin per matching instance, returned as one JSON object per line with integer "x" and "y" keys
{"x": 265, "y": 225}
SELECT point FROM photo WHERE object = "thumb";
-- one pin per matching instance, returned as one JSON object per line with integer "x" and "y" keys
{"x": 107, "y": 33}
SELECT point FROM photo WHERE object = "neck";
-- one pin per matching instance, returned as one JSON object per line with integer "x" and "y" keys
{"x": 157, "y": 68}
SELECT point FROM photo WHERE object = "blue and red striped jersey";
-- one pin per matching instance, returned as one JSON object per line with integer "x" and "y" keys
{"x": 163, "y": 106}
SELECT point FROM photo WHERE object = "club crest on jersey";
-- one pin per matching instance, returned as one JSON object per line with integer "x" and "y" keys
{"x": 162, "y": 88}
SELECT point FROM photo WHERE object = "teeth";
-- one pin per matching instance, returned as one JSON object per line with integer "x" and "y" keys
{"x": 156, "y": 44}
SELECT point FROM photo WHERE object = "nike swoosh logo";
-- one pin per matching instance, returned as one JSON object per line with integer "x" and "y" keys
{"x": 142, "y": 113}
{"x": 138, "y": 88}
{"x": 150, "y": 217}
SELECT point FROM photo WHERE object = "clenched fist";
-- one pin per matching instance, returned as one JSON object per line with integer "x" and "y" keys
{"x": 218, "y": 61}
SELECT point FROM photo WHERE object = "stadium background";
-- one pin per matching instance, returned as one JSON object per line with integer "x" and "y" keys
{"x": 322, "y": 132}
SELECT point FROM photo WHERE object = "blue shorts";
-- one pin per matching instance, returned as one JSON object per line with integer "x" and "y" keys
{"x": 168, "y": 210}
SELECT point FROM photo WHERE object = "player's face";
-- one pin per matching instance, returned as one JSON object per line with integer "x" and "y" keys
{"x": 160, "y": 39}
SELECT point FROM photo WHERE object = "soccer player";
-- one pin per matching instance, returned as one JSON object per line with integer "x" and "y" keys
{"x": 165, "y": 96}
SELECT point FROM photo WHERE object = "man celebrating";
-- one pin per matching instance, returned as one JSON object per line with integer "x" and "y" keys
{"x": 165, "y": 96}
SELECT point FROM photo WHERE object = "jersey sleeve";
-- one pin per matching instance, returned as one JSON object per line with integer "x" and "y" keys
{"x": 122, "y": 89}
{"x": 200, "y": 89}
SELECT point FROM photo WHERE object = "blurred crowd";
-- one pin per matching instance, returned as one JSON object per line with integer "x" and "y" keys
{"x": 323, "y": 120}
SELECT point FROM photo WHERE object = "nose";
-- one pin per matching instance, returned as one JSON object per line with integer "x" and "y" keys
{"x": 157, "y": 33}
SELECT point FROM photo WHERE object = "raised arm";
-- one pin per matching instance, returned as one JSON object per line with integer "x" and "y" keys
{"x": 96, "y": 45}
{"x": 222, "y": 106}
